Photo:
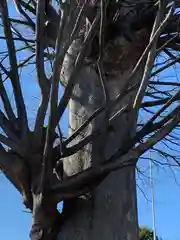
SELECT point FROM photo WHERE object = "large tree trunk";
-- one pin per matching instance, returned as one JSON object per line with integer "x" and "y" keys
{"x": 111, "y": 210}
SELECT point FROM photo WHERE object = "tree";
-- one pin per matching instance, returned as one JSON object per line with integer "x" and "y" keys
{"x": 146, "y": 234}
{"x": 103, "y": 54}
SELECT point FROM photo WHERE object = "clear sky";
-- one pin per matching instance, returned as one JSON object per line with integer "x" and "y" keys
{"x": 15, "y": 222}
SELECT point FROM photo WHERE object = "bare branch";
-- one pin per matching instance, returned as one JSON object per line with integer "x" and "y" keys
{"x": 160, "y": 134}
{"x": 157, "y": 29}
{"x": 8, "y": 74}
{"x": 174, "y": 98}
{"x": 105, "y": 123}
{"x": 53, "y": 103}
{"x": 176, "y": 84}
{"x": 73, "y": 149}
{"x": 168, "y": 117}
{"x": 18, "y": 21}
{"x": 24, "y": 14}
{"x": 12, "y": 145}
{"x": 7, "y": 127}
{"x": 6, "y": 102}
{"x": 93, "y": 176}
{"x": 71, "y": 82}
{"x": 154, "y": 103}
{"x": 165, "y": 66}
{"x": 31, "y": 8}
{"x": 99, "y": 111}
{"x": 19, "y": 39}
{"x": 42, "y": 79}
{"x": 15, "y": 170}
{"x": 21, "y": 110}
{"x": 83, "y": 126}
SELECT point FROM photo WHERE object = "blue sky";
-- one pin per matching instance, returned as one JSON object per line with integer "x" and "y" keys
{"x": 15, "y": 222}
{"x": 167, "y": 210}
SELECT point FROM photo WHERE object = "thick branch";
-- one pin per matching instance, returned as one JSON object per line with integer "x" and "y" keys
{"x": 89, "y": 176}
{"x": 78, "y": 146}
{"x": 42, "y": 80}
{"x": 77, "y": 66}
{"x": 15, "y": 170}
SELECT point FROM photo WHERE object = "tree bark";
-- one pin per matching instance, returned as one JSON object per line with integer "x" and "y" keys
{"x": 110, "y": 212}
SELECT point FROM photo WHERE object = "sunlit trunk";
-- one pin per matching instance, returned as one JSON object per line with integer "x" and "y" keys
{"x": 111, "y": 210}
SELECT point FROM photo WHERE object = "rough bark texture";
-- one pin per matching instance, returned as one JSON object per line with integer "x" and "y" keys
{"x": 111, "y": 210}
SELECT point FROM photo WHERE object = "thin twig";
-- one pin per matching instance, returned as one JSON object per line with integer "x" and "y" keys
{"x": 19, "y": 39}
{"x": 144, "y": 54}
{"x": 6, "y": 102}
{"x": 155, "y": 116}
{"x": 24, "y": 14}
{"x": 12, "y": 145}
{"x": 157, "y": 28}
{"x": 176, "y": 84}
{"x": 7, "y": 127}
{"x": 8, "y": 73}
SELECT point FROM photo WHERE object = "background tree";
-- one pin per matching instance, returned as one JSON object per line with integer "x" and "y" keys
{"x": 103, "y": 54}
{"x": 146, "y": 234}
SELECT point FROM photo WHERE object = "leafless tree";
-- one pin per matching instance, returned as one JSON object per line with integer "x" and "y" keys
{"x": 106, "y": 58}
